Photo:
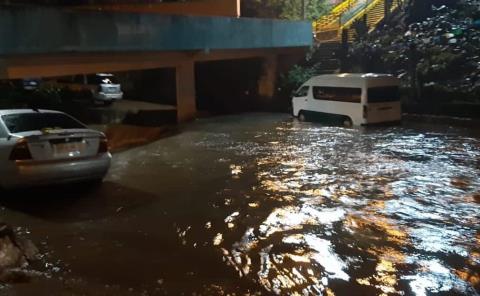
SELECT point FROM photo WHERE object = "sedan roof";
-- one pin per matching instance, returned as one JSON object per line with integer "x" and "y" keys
{"x": 23, "y": 111}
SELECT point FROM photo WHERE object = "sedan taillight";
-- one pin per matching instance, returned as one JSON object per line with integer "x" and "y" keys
{"x": 103, "y": 146}
{"x": 21, "y": 151}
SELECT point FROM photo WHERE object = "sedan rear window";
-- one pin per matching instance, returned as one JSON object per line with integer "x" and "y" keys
{"x": 24, "y": 122}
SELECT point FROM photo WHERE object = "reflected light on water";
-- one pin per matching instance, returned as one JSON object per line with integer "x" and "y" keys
{"x": 374, "y": 211}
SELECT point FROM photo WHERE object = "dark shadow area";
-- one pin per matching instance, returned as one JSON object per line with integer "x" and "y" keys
{"x": 433, "y": 107}
{"x": 99, "y": 234}
{"x": 151, "y": 117}
{"x": 153, "y": 85}
{"x": 326, "y": 118}
{"x": 75, "y": 202}
{"x": 149, "y": 97}
{"x": 228, "y": 86}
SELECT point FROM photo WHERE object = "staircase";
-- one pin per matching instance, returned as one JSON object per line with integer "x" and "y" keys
{"x": 326, "y": 55}
{"x": 329, "y": 28}
{"x": 326, "y": 28}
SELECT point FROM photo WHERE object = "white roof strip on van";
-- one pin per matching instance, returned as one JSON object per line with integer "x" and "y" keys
{"x": 353, "y": 80}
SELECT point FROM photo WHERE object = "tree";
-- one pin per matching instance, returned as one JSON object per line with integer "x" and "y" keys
{"x": 418, "y": 10}
{"x": 285, "y": 9}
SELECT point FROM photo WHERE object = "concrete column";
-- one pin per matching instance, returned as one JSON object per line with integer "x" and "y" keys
{"x": 267, "y": 82}
{"x": 186, "y": 99}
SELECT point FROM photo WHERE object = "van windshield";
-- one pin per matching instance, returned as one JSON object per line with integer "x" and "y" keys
{"x": 383, "y": 94}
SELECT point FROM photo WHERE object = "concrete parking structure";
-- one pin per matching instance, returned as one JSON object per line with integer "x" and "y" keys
{"x": 73, "y": 41}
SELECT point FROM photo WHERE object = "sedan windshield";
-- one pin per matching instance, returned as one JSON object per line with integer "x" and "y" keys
{"x": 24, "y": 122}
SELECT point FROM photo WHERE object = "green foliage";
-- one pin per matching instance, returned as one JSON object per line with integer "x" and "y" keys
{"x": 286, "y": 9}
{"x": 16, "y": 97}
{"x": 296, "y": 77}
{"x": 418, "y": 10}
{"x": 46, "y": 97}
{"x": 314, "y": 9}
{"x": 441, "y": 65}
{"x": 361, "y": 29}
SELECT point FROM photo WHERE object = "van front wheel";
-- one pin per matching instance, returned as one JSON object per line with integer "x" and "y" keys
{"x": 347, "y": 122}
{"x": 302, "y": 117}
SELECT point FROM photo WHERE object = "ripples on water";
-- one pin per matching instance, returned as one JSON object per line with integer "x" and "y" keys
{"x": 338, "y": 211}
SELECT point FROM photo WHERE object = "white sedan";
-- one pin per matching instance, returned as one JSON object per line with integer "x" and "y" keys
{"x": 41, "y": 147}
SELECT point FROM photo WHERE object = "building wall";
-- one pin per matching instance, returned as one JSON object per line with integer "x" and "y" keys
{"x": 50, "y": 30}
{"x": 230, "y": 8}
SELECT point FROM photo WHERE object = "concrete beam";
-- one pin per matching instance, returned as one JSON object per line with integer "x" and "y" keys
{"x": 229, "y": 8}
{"x": 74, "y": 31}
{"x": 217, "y": 55}
{"x": 63, "y": 65}
{"x": 186, "y": 98}
{"x": 46, "y": 65}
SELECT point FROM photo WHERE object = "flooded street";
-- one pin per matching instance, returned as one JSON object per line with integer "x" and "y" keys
{"x": 263, "y": 204}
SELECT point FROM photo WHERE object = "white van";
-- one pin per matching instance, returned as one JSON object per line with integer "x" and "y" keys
{"x": 101, "y": 87}
{"x": 359, "y": 99}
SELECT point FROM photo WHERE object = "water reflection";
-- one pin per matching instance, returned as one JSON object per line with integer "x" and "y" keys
{"x": 332, "y": 210}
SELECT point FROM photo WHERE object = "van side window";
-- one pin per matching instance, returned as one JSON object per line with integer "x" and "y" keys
{"x": 302, "y": 92}
{"x": 383, "y": 94}
{"x": 340, "y": 94}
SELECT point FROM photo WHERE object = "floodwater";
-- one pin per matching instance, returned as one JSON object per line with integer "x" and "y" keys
{"x": 262, "y": 204}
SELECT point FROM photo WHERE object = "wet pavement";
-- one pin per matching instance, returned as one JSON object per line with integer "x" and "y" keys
{"x": 262, "y": 204}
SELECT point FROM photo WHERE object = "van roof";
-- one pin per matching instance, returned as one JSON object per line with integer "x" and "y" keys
{"x": 352, "y": 79}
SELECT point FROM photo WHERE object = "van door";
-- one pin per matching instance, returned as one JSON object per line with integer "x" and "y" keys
{"x": 339, "y": 102}
{"x": 383, "y": 104}
{"x": 300, "y": 99}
